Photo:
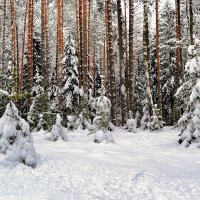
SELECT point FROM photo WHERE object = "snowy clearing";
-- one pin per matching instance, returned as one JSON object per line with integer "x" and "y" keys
{"x": 141, "y": 166}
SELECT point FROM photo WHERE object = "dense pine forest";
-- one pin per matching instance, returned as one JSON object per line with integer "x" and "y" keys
{"x": 99, "y": 99}
{"x": 97, "y": 65}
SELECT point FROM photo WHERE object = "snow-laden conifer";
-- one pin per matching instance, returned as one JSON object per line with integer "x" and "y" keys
{"x": 37, "y": 116}
{"x": 70, "y": 90}
{"x": 168, "y": 65}
{"x": 189, "y": 123}
{"x": 156, "y": 120}
{"x": 101, "y": 122}
{"x": 53, "y": 93}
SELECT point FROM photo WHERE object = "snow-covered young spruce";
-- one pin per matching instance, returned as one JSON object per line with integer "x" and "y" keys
{"x": 189, "y": 123}
{"x": 53, "y": 93}
{"x": 156, "y": 120}
{"x": 37, "y": 116}
{"x": 82, "y": 122}
{"x": 70, "y": 90}
{"x": 131, "y": 123}
{"x": 58, "y": 130}
{"x": 101, "y": 122}
{"x": 16, "y": 138}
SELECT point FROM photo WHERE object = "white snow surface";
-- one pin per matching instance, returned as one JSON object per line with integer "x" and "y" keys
{"x": 138, "y": 166}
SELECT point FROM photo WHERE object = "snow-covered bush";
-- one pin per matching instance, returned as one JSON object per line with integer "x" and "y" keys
{"x": 156, "y": 120}
{"x": 58, "y": 130}
{"x": 23, "y": 152}
{"x": 131, "y": 123}
{"x": 15, "y": 136}
{"x": 101, "y": 122}
{"x": 145, "y": 121}
{"x": 82, "y": 122}
{"x": 101, "y": 136}
{"x": 71, "y": 123}
{"x": 189, "y": 123}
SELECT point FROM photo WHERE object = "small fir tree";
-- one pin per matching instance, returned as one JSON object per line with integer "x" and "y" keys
{"x": 82, "y": 122}
{"x": 156, "y": 119}
{"x": 132, "y": 123}
{"x": 102, "y": 106}
{"x": 70, "y": 91}
{"x": 38, "y": 116}
{"x": 53, "y": 93}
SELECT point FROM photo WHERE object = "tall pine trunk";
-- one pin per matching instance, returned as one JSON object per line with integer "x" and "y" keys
{"x": 127, "y": 63}
{"x": 85, "y": 53}
{"x": 13, "y": 30}
{"x": 4, "y": 34}
{"x": 159, "y": 100}
{"x": 48, "y": 62}
{"x": 30, "y": 46}
{"x": 121, "y": 60}
{"x": 191, "y": 22}
{"x": 43, "y": 41}
{"x": 111, "y": 70}
{"x": 146, "y": 56}
{"x": 80, "y": 52}
{"x": 60, "y": 48}
{"x": 178, "y": 70}
{"x": 23, "y": 46}
{"x": 131, "y": 74}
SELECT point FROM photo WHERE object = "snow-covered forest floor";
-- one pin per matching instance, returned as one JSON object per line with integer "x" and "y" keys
{"x": 143, "y": 166}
